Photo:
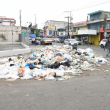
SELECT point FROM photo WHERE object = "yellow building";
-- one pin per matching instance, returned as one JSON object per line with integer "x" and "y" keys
{"x": 95, "y": 38}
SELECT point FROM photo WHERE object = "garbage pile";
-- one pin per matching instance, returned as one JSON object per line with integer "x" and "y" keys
{"x": 50, "y": 63}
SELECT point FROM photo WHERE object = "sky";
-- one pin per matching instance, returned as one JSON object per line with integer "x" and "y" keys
{"x": 50, "y": 10}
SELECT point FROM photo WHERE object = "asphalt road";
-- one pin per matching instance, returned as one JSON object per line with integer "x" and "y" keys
{"x": 89, "y": 92}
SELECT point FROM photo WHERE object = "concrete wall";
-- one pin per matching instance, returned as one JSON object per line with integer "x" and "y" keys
{"x": 7, "y": 31}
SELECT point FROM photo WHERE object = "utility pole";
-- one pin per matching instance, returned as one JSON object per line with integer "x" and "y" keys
{"x": 68, "y": 24}
{"x": 105, "y": 24}
{"x": 20, "y": 17}
{"x": 35, "y": 22}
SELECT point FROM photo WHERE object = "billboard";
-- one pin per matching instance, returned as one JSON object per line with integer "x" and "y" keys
{"x": 51, "y": 27}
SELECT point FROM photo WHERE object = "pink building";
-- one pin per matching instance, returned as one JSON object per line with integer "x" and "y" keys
{"x": 78, "y": 24}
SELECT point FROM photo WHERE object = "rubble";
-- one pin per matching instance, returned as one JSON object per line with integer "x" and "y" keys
{"x": 50, "y": 63}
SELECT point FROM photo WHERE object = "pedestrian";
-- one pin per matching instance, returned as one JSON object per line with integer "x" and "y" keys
{"x": 107, "y": 46}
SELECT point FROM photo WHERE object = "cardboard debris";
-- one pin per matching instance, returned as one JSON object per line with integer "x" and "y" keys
{"x": 59, "y": 59}
{"x": 11, "y": 79}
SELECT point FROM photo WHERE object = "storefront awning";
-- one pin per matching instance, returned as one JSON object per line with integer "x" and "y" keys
{"x": 32, "y": 36}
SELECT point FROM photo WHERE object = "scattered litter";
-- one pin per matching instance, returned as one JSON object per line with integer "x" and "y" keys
{"x": 50, "y": 63}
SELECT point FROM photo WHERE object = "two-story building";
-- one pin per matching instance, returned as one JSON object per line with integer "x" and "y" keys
{"x": 78, "y": 27}
{"x": 95, "y": 22}
{"x": 53, "y": 27}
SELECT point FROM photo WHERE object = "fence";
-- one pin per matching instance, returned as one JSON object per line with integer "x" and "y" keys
{"x": 24, "y": 38}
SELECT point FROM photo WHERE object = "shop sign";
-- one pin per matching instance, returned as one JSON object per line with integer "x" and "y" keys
{"x": 85, "y": 32}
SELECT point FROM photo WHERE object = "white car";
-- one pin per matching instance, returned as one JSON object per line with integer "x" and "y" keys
{"x": 102, "y": 43}
{"x": 71, "y": 41}
{"x": 56, "y": 39}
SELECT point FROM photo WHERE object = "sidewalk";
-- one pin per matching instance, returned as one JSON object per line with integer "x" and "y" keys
{"x": 9, "y": 47}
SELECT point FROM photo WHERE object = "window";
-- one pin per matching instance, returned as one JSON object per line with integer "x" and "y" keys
{"x": 0, "y": 23}
{"x": 104, "y": 40}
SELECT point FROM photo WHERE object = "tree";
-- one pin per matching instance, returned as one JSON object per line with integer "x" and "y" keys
{"x": 3, "y": 36}
{"x": 31, "y": 32}
{"x": 37, "y": 32}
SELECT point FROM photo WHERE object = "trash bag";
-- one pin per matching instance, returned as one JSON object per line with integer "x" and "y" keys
{"x": 67, "y": 63}
{"x": 74, "y": 47}
{"x": 56, "y": 65}
{"x": 40, "y": 63}
{"x": 79, "y": 53}
{"x": 12, "y": 64}
{"x": 32, "y": 66}
{"x": 9, "y": 59}
{"x": 28, "y": 64}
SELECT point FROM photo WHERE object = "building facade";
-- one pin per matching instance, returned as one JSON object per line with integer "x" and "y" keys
{"x": 92, "y": 30}
{"x": 79, "y": 30}
{"x": 96, "y": 22}
{"x": 54, "y": 27}
{"x": 7, "y": 21}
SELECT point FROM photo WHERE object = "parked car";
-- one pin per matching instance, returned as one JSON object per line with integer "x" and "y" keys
{"x": 79, "y": 42}
{"x": 102, "y": 43}
{"x": 61, "y": 41}
{"x": 52, "y": 39}
{"x": 71, "y": 41}
{"x": 56, "y": 39}
{"x": 46, "y": 41}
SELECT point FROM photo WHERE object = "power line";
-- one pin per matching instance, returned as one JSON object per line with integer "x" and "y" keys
{"x": 89, "y": 3}
{"x": 83, "y": 8}
{"x": 59, "y": 15}
{"x": 91, "y": 6}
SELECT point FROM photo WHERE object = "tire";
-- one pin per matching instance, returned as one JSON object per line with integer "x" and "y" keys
{"x": 69, "y": 44}
{"x": 102, "y": 46}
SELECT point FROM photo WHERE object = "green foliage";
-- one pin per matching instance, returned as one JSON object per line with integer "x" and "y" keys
{"x": 3, "y": 36}
{"x": 31, "y": 32}
{"x": 37, "y": 32}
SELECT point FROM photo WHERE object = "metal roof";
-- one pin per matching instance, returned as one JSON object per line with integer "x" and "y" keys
{"x": 99, "y": 11}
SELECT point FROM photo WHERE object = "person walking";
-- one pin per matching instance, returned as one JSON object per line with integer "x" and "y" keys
{"x": 107, "y": 46}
